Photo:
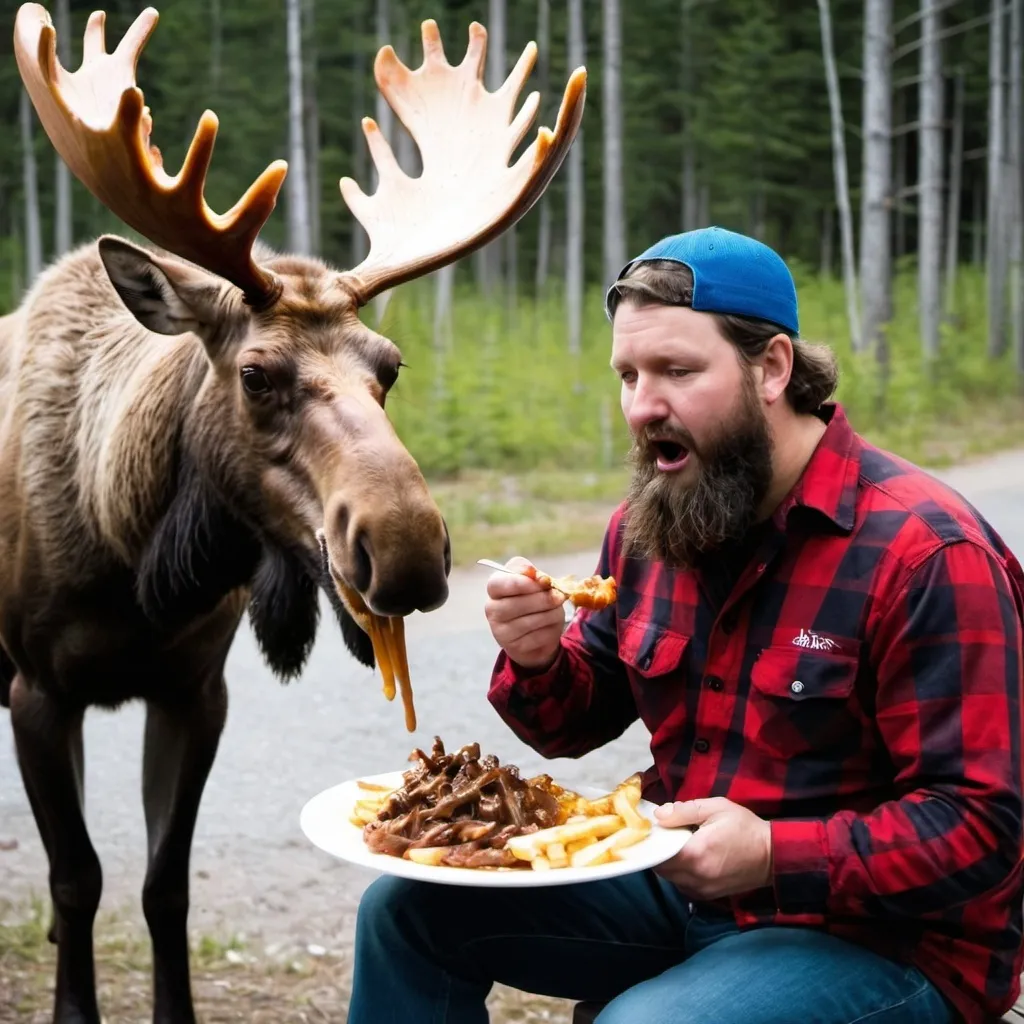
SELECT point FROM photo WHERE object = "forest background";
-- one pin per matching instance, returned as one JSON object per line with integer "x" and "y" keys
{"x": 877, "y": 144}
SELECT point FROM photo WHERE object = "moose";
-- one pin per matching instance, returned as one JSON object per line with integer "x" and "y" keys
{"x": 197, "y": 429}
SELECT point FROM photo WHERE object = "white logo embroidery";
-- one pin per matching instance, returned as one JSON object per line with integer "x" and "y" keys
{"x": 814, "y": 642}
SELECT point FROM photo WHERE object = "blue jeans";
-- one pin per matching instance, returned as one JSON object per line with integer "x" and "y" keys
{"x": 429, "y": 954}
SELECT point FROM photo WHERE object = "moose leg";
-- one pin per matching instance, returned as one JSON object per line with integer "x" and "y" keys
{"x": 48, "y": 740}
{"x": 181, "y": 743}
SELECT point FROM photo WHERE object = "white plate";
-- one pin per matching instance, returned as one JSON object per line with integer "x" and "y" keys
{"x": 325, "y": 822}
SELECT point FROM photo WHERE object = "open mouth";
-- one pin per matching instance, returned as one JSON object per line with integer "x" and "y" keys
{"x": 386, "y": 633}
{"x": 671, "y": 455}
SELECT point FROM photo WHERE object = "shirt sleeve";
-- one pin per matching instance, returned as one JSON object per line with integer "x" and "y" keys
{"x": 948, "y": 658}
{"x": 584, "y": 699}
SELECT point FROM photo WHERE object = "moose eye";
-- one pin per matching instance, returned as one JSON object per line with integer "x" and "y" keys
{"x": 255, "y": 380}
{"x": 388, "y": 375}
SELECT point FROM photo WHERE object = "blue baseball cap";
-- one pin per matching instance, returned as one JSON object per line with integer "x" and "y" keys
{"x": 732, "y": 273}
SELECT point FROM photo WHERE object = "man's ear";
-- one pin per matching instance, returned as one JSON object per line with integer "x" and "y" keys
{"x": 167, "y": 295}
{"x": 777, "y": 365}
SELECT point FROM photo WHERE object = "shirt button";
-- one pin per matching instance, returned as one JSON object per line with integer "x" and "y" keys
{"x": 796, "y": 686}
{"x": 715, "y": 683}
{"x": 702, "y": 746}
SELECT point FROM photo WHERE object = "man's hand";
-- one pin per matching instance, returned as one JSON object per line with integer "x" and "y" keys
{"x": 730, "y": 853}
{"x": 526, "y": 619}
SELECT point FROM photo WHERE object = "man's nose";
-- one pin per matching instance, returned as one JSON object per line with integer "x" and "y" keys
{"x": 648, "y": 405}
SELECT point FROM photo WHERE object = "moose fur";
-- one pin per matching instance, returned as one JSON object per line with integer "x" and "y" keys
{"x": 135, "y": 533}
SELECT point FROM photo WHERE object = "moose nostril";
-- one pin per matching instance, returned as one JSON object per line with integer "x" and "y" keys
{"x": 447, "y": 551}
{"x": 362, "y": 563}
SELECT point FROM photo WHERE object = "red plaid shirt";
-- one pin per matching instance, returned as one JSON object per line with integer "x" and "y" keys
{"x": 856, "y": 680}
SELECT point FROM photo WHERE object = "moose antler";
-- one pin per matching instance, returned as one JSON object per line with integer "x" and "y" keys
{"x": 99, "y": 124}
{"x": 467, "y": 194}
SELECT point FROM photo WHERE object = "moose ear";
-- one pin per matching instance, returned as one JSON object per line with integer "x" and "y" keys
{"x": 165, "y": 294}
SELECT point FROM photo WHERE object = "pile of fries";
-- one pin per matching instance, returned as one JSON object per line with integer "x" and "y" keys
{"x": 592, "y": 831}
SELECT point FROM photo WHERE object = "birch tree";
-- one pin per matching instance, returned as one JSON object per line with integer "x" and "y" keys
{"x": 297, "y": 182}
{"x": 544, "y": 205}
{"x": 929, "y": 235}
{"x": 1015, "y": 181}
{"x": 840, "y": 174}
{"x": 312, "y": 108}
{"x": 614, "y": 215}
{"x": 691, "y": 200}
{"x": 875, "y": 248}
{"x": 995, "y": 253}
{"x": 62, "y": 228}
{"x": 575, "y": 198}
{"x": 385, "y": 119}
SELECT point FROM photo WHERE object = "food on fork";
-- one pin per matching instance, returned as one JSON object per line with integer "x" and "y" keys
{"x": 467, "y": 810}
{"x": 593, "y": 592}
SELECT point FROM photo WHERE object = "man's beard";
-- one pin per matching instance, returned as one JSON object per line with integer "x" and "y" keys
{"x": 675, "y": 523}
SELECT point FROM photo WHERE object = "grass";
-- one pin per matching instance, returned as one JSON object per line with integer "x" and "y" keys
{"x": 230, "y": 982}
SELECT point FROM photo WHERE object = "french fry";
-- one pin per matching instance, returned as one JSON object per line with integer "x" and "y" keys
{"x": 526, "y": 847}
{"x": 624, "y": 803}
{"x": 557, "y": 855}
{"x": 375, "y": 787}
{"x": 601, "y": 852}
{"x": 431, "y": 855}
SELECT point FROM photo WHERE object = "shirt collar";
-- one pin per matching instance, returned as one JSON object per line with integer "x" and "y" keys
{"x": 828, "y": 483}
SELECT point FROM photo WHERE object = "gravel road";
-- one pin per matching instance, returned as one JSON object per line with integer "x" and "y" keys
{"x": 254, "y": 873}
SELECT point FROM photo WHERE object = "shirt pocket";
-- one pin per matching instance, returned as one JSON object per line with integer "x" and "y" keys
{"x": 802, "y": 702}
{"x": 649, "y": 649}
{"x": 654, "y": 659}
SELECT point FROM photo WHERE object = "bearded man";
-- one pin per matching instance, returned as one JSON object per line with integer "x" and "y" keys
{"x": 826, "y": 646}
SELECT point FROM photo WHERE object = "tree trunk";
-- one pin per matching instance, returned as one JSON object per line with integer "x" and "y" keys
{"x": 359, "y": 239}
{"x": 995, "y": 253}
{"x": 840, "y": 173}
{"x": 614, "y": 216}
{"x": 297, "y": 182}
{"x": 310, "y": 52}
{"x": 1015, "y": 175}
{"x": 875, "y": 246}
{"x": 929, "y": 234}
{"x": 62, "y": 226}
{"x": 574, "y": 218}
{"x": 543, "y": 267}
{"x": 487, "y": 259}
{"x": 956, "y": 171}
{"x": 691, "y": 199}
{"x": 386, "y": 122}
{"x": 33, "y": 238}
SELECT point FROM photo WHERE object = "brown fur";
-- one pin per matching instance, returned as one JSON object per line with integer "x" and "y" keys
{"x": 146, "y": 501}
{"x": 99, "y": 413}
